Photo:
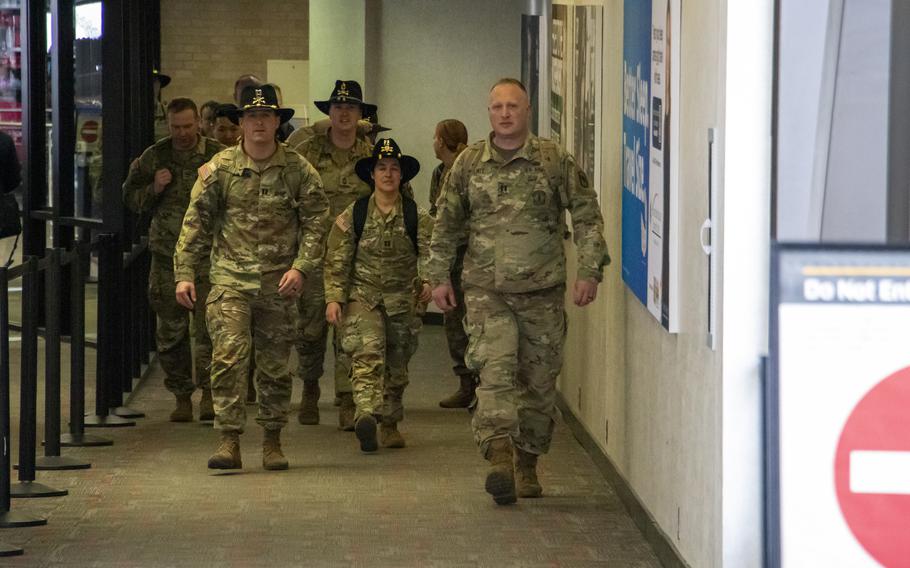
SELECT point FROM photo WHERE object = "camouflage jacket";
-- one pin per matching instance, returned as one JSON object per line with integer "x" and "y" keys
{"x": 336, "y": 169}
{"x": 514, "y": 214}
{"x": 436, "y": 180}
{"x": 256, "y": 221}
{"x": 383, "y": 267}
{"x": 168, "y": 207}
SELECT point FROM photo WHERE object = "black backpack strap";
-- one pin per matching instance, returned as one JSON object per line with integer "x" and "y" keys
{"x": 360, "y": 216}
{"x": 409, "y": 207}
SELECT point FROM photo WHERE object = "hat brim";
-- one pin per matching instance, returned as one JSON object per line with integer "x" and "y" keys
{"x": 410, "y": 167}
{"x": 366, "y": 109}
{"x": 234, "y": 115}
{"x": 163, "y": 80}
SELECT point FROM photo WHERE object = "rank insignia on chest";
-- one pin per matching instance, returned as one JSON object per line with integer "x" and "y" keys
{"x": 387, "y": 243}
{"x": 539, "y": 198}
{"x": 503, "y": 189}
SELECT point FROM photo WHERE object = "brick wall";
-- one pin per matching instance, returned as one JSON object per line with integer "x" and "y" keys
{"x": 207, "y": 44}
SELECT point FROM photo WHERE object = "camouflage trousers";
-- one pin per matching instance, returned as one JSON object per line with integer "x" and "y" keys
{"x": 516, "y": 344}
{"x": 238, "y": 319}
{"x": 312, "y": 332}
{"x": 453, "y": 321}
{"x": 172, "y": 330}
{"x": 380, "y": 347}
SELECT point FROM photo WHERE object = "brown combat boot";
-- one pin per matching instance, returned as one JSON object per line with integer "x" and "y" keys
{"x": 463, "y": 396}
{"x": 206, "y": 406}
{"x": 309, "y": 405}
{"x": 227, "y": 456}
{"x": 500, "y": 481}
{"x": 346, "y": 412}
{"x": 366, "y": 433}
{"x": 389, "y": 435}
{"x": 526, "y": 482}
{"x": 184, "y": 410}
{"x": 272, "y": 456}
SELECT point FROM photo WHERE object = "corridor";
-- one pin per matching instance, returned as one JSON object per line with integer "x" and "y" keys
{"x": 149, "y": 500}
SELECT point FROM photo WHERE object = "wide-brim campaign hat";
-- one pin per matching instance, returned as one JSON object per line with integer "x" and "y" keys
{"x": 257, "y": 97}
{"x": 387, "y": 148}
{"x": 163, "y": 80}
{"x": 350, "y": 93}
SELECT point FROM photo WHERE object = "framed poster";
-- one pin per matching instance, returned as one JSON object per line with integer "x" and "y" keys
{"x": 588, "y": 92}
{"x": 559, "y": 29}
{"x": 650, "y": 169}
{"x": 837, "y": 426}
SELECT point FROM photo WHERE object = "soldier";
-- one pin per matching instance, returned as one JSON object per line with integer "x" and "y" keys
{"x": 224, "y": 130}
{"x": 371, "y": 270}
{"x": 510, "y": 193}
{"x": 260, "y": 208}
{"x": 334, "y": 154}
{"x": 159, "y": 185}
{"x": 207, "y": 113}
{"x": 450, "y": 139}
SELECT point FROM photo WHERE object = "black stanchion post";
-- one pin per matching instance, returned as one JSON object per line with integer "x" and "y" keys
{"x": 145, "y": 343}
{"x": 136, "y": 320}
{"x": 107, "y": 383}
{"x": 8, "y": 519}
{"x": 124, "y": 366}
{"x": 53, "y": 290}
{"x": 77, "y": 436}
{"x": 28, "y": 386}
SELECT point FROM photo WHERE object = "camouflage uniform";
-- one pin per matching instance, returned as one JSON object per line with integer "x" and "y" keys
{"x": 377, "y": 282}
{"x": 167, "y": 210}
{"x": 456, "y": 338}
{"x": 342, "y": 188}
{"x": 514, "y": 276}
{"x": 259, "y": 223}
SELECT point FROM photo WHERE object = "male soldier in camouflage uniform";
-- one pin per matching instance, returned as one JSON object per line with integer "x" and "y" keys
{"x": 333, "y": 153}
{"x": 510, "y": 192}
{"x": 159, "y": 185}
{"x": 374, "y": 275}
{"x": 260, "y": 208}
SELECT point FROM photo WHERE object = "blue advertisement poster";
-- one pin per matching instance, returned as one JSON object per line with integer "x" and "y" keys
{"x": 636, "y": 121}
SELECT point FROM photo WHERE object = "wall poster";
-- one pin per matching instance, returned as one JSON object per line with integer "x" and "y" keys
{"x": 650, "y": 170}
{"x": 559, "y": 29}
{"x": 588, "y": 83}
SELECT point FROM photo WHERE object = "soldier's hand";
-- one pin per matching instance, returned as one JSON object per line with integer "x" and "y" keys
{"x": 444, "y": 296}
{"x": 585, "y": 291}
{"x": 186, "y": 294}
{"x": 426, "y": 293}
{"x": 291, "y": 284}
{"x": 333, "y": 313}
{"x": 162, "y": 178}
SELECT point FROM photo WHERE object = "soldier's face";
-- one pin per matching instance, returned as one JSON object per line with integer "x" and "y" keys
{"x": 225, "y": 131}
{"x": 183, "y": 127}
{"x": 259, "y": 125}
{"x": 387, "y": 175}
{"x": 509, "y": 110}
{"x": 344, "y": 116}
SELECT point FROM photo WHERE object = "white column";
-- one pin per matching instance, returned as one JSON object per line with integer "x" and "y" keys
{"x": 337, "y": 46}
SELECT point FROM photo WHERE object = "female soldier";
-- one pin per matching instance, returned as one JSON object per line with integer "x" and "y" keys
{"x": 372, "y": 289}
{"x": 450, "y": 139}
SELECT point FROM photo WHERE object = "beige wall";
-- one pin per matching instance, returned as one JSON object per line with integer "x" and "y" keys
{"x": 659, "y": 391}
{"x": 206, "y": 45}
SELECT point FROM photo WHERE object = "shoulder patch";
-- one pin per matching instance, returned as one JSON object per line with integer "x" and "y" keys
{"x": 343, "y": 223}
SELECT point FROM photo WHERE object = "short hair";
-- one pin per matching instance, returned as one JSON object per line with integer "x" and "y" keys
{"x": 209, "y": 104}
{"x": 248, "y": 80}
{"x": 509, "y": 81}
{"x": 180, "y": 104}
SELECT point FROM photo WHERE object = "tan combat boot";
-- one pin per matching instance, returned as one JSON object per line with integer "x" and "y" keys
{"x": 272, "y": 456}
{"x": 227, "y": 456}
{"x": 463, "y": 396}
{"x": 184, "y": 410}
{"x": 500, "y": 481}
{"x": 346, "y": 412}
{"x": 206, "y": 406}
{"x": 526, "y": 481}
{"x": 366, "y": 433}
{"x": 389, "y": 435}
{"x": 309, "y": 404}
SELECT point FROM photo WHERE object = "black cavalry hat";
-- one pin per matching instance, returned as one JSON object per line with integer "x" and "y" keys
{"x": 163, "y": 80}
{"x": 387, "y": 148}
{"x": 257, "y": 97}
{"x": 347, "y": 92}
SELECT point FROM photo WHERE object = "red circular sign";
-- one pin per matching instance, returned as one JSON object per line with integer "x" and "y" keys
{"x": 89, "y": 131}
{"x": 876, "y": 438}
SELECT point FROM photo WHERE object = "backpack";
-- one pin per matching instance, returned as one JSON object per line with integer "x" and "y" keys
{"x": 408, "y": 206}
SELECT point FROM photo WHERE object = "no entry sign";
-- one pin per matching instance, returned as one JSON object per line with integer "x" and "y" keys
{"x": 89, "y": 131}
{"x": 838, "y": 407}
